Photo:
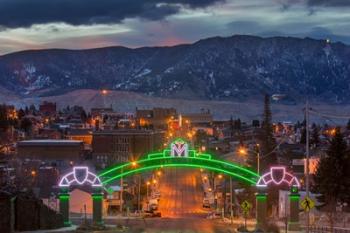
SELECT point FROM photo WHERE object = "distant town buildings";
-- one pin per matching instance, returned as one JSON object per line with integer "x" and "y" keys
{"x": 116, "y": 146}
{"x": 47, "y": 108}
{"x": 58, "y": 152}
{"x": 156, "y": 118}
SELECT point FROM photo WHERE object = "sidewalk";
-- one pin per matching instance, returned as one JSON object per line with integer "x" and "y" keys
{"x": 60, "y": 230}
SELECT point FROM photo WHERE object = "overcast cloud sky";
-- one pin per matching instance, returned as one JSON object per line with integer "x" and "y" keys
{"x": 79, "y": 24}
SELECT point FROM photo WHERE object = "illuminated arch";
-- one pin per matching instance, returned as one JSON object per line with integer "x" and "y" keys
{"x": 179, "y": 155}
{"x": 272, "y": 177}
{"x": 80, "y": 176}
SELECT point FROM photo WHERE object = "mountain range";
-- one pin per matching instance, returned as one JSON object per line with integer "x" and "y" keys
{"x": 231, "y": 68}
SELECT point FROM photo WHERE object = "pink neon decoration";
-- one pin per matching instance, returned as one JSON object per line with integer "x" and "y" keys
{"x": 179, "y": 148}
{"x": 272, "y": 177}
{"x": 80, "y": 176}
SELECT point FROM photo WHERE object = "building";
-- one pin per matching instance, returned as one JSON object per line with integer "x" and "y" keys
{"x": 60, "y": 152}
{"x": 47, "y": 108}
{"x": 100, "y": 112}
{"x": 115, "y": 146}
{"x": 204, "y": 118}
{"x": 84, "y": 135}
{"x": 157, "y": 117}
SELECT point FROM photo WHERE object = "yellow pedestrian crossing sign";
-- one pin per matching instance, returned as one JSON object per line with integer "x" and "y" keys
{"x": 246, "y": 206}
{"x": 307, "y": 204}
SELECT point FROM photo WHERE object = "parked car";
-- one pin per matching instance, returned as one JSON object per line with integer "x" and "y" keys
{"x": 206, "y": 203}
{"x": 152, "y": 214}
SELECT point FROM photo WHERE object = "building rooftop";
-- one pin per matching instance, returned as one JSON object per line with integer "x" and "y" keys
{"x": 49, "y": 142}
{"x": 125, "y": 132}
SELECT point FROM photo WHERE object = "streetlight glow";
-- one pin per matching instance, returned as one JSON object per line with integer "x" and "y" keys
{"x": 242, "y": 151}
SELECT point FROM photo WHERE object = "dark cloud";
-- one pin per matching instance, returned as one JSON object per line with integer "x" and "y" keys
{"x": 313, "y": 3}
{"x": 328, "y": 2}
{"x": 24, "y": 13}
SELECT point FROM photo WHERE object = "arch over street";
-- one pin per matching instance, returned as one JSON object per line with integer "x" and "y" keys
{"x": 179, "y": 155}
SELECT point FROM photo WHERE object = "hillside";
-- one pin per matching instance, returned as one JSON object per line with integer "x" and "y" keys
{"x": 236, "y": 68}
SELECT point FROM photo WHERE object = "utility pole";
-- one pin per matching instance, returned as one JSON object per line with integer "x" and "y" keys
{"x": 258, "y": 158}
{"x": 121, "y": 194}
{"x": 139, "y": 196}
{"x": 231, "y": 198}
{"x": 307, "y": 162}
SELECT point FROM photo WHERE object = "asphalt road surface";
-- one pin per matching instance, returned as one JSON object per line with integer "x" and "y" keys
{"x": 180, "y": 206}
{"x": 181, "y": 194}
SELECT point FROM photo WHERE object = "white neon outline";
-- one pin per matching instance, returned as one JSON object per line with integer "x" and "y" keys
{"x": 71, "y": 178}
{"x": 268, "y": 178}
{"x": 75, "y": 174}
{"x": 179, "y": 151}
{"x": 283, "y": 175}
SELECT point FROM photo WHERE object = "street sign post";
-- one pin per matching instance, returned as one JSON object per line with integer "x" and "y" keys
{"x": 307, "y": 204}
{"x": 246, "y": 206}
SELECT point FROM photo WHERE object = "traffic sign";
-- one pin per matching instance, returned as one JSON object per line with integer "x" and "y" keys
{"x": 246, "y": 206}
{"x": 307, "y": 204}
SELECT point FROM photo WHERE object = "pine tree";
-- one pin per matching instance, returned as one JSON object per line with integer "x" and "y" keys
{"x": 237, "y": 124}
{"x": 303, "y": 136}
{"x": 26, "y": 125}
{"x": 315, "y": 135}
{"x": 231, "y": 127}
{"x": 256, "y": 123}
{"x": 83, "y": 116}
{"x": 21, "y": 114}
{"x": 348, "y": 125}
{"x": 332, "y": 180}
{"x": 268, "y": 142}
{"x": 4, "y": 121}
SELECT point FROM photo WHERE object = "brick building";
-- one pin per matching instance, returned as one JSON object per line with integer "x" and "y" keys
{"x": 61, "y": 152}
{"x": 156, "y": 117}
{"x": 47, "y": 108}
{"x": 117, "y": 146}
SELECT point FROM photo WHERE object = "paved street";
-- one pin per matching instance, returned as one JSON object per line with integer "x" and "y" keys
{"x": 181, "y": 207}
{"x": 181, "y": 193}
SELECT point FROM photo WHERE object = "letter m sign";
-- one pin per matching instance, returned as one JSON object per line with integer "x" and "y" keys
{"x": 179, "y": 149}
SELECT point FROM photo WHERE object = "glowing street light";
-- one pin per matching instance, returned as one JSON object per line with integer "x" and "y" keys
{"x": 242, "y": 151}
{"x": 220, "y": 176}
{"x": 104, "y": 92}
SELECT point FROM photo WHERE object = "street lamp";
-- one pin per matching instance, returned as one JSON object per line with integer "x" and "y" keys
{"x": 147, "y": 185}
{"x": 244, "y": 151}
{"x": 33, "y": 173}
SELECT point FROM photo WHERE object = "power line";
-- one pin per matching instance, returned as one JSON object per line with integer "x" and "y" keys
{"x": 327, "y": 115}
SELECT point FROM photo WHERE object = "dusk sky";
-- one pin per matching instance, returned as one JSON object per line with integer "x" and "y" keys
{"x": 78, "y": 24}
